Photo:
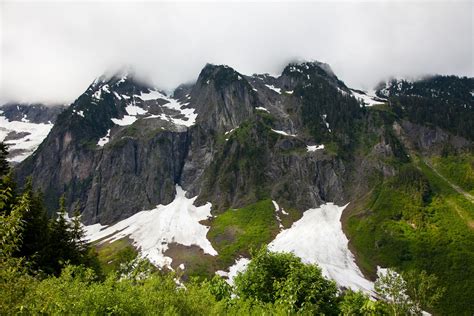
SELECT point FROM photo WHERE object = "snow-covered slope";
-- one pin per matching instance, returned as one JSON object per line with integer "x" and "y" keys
{"x": 24, "y": 127}
{"x": 152, "y": 231}
{"x": 317, "y": 238}
{"x": 367, "y": 98}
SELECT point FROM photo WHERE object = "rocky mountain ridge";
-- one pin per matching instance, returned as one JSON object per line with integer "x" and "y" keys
{"x": 124, "y": 138}
{"x": 229, "y": 138}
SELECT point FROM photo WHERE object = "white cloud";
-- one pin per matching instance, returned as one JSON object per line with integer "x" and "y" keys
{"x": 51, "y": 51}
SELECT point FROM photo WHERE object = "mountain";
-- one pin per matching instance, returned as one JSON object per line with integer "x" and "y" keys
{"x": 198, "y": 178}
{"x": 24, "y": 126}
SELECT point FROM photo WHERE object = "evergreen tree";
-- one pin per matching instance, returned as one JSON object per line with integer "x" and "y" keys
{"x": 61, "y": 237}
{"x": 4, "y": 167}
{"x": 35, "y": 240}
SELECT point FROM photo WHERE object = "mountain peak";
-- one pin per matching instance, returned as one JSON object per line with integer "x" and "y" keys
{"x": 219, "y": 75}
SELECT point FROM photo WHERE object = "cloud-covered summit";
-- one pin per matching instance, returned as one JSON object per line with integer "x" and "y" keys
{"x": 51, "y": 51}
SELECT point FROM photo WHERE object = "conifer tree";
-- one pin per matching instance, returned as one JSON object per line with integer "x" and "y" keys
{"x": 35, "y": 241}
{"x": 4, "y": 167}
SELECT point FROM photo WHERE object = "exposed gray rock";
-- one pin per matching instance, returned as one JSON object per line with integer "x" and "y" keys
{"x": 234, "y": 155}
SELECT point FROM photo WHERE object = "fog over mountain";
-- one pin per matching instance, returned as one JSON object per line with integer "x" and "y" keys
{"x": 51, "y": 51}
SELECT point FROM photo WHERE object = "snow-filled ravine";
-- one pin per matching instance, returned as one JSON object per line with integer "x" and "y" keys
{"x": 317, "y": 238}
{"x": 151, "y": 231}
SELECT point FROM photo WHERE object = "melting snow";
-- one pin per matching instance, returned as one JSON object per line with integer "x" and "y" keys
{"x": 152, "y": 95}
{"x": 135, "y": 110}
{"x": 326, "y": 122}
{"x": 126, "y": 120}
{"x": 228, "y": 132}
{"x": 173, "y": 104}
{"x": 97, "y": 94}
{"x": 289, "y": 91}
{"x": 283, "y": 133}
{"x": 277, "y": 209}
{"x": 314, "y": 147}
{"x": 262, "y": 109}
{"x": 318, "y": 238}
{"x": 366, "y": 99}
{"x": 80, "y": 113}
{"x": 239, "y": 266}
{"x": 152, "y": 231}
{"x": 277, "y": 90}
{"x": 104, "y": 140}
{"x": 28, "y": 144}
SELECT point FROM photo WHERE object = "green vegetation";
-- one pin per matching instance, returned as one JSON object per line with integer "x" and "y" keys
{"x": 112, "y": 254}
{"x": 417, "y": 221}
{"x": 443, "y": 101}
{"x": 274, "y": 283}
{"x": 236, "y": 231}
{"x": 408, "y": 293}
{"x": 243, "y": 158}
{"x": 282, "y": 279}
{"x": 459, "y": 169}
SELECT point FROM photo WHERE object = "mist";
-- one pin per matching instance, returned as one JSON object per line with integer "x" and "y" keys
{"x": 51, "y": 51}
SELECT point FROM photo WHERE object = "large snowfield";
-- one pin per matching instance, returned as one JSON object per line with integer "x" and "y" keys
{"x": 151, "y": 231}
{"x": 318, "y": 238}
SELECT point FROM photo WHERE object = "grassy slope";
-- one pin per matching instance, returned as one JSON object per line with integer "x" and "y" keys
{"x": 110, "y": 254}
{"x": 458, "y": 169}
{"x": 409, "y": 228}
{"x": 236, "y": 231}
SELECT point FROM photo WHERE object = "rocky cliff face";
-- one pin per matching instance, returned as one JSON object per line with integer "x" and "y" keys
{"x": 301, "y": 139}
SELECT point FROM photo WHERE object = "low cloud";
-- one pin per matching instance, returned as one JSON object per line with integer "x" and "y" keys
{"x": 51, "y": 51}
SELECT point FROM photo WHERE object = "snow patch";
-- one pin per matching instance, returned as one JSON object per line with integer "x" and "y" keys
{"x": 326, "y": 122}
{"x": 104, "y": 140}
{"x": 239, "y": 266}
{"x": 189, "y": 114}
{"x": 126, "y": 120}
{"x": 151, "y": 95}
{"x": 96, "y": 95}
{"x": 228, "y": 132}
{"x": 311, "y": 148}
{"x": 318, "y": 238}
{"x": 262, "y": 109}
{"x": 135, "y": 110}
{"x": 366, "y": 98}
{"x": 80, "y": 113}
{"x": 283, "y": 133}
{"x": 277, "y": 209}
{"x": 27, "y": 144}
{"x": 275, "y": 204}
{"x": 271, "y": 87}
{"x": 152, "y": 231}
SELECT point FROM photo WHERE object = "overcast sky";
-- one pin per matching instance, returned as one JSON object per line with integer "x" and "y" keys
{"x": 51, "y": 51}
